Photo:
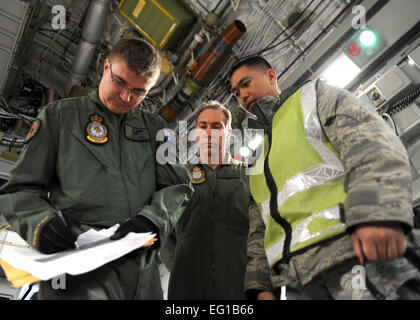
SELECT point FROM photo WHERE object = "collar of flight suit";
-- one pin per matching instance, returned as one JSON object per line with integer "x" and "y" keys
{"x": 94, "y": 97}
{"x": 230, "y": 161}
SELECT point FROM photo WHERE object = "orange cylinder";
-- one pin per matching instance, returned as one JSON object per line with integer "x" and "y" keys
{"x": 205, "y": 69}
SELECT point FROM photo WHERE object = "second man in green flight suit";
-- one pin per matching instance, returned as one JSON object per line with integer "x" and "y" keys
{"x": 206, "y": 253}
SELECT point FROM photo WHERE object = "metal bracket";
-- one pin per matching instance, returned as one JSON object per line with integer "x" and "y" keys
{"x": 235, "y": 4}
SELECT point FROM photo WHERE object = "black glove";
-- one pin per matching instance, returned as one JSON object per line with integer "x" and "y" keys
{"x": 54, "y": 235}
{"x": 138, "y": 224}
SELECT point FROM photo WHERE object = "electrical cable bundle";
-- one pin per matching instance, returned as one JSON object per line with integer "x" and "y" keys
{"x": 302, "y": 18}
{"x": 7, "y": 113}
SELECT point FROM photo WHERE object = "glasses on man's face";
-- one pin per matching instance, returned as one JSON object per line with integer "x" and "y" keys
{"x": 121, "y": 83}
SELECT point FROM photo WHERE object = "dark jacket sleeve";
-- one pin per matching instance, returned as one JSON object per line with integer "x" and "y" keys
{"x": 377, "y": 167}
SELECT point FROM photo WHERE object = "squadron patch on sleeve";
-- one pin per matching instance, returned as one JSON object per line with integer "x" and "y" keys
{"x": 33, "y": 130}
{"x": 197, "y": 175}
{"x": 96, "y": 131}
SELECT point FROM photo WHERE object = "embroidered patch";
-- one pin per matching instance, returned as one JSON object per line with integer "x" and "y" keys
{"x": 197, "y": 175}
{"x": 33, "y": 130}
{"x": 96, "y": 130}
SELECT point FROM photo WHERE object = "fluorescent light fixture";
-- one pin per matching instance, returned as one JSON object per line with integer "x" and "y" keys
{"x": 255, "y": 143}
{"x": 411, "y": 62}
{"x": 341, "y": 71}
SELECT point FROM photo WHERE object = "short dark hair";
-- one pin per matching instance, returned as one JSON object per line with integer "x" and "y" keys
{"x": 215, "y": 106}
{"x": 139, "y": 56}
{"x": 251, "y": 61}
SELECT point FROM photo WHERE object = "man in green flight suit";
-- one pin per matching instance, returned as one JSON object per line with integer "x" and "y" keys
{"x": 333, "y": 213}
{"x": 93, "y": 158}
{"x": 206, "y": 253}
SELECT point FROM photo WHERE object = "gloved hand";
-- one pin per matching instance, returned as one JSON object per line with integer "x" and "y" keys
{"x": 55, "y": 236}
{"x": 138, "y": 224}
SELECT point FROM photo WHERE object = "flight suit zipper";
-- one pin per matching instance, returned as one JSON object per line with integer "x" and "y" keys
{"x": 212, "y": 194}
{"x": 120, "y": 139}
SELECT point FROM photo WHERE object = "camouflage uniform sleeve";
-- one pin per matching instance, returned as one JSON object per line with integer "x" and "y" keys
{"x": 257, "y": 276}
{"x": 377, "y": 167}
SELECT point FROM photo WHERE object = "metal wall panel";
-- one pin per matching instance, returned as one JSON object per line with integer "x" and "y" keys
{"x": 12, "y": 20}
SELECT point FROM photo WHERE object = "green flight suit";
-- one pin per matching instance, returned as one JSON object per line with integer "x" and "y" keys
{"x": 100, "y": 184}
{"x": 206, "y": 253}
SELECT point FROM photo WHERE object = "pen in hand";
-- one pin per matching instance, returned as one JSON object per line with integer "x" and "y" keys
{"x": 75, "y": 229}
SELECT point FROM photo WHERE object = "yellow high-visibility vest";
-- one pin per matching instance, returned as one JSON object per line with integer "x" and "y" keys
{"x": 308, "y": 178}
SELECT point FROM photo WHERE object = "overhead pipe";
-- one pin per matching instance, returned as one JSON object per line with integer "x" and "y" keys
{"x": 91, "y": 33}
{"x": 213, "y": 17}
{"x": 195, "y": 37}
{"x": 198, "y": 38}
{"x": 221, "y": 7}
{"x": 205, "y": 70}
{"x": 189, "y": 37}
{"x": 159, "y": 89}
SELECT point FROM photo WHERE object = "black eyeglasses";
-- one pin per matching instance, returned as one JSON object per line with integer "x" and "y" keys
{"x": 135, "y": 92}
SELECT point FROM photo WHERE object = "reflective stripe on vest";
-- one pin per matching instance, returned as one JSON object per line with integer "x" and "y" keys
{"x": 329, "y": 170}
{"x": 301, "y": 232}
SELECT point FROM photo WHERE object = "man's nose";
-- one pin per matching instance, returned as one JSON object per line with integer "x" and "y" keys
{"x": 243, "y": 96}
{"x": 208, "y": 132}
{"x": 125, "y": 95}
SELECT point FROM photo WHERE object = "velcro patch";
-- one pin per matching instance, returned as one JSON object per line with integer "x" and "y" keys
{"x": 136, "y": 134}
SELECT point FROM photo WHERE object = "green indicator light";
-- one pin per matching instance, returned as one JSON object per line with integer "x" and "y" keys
{"x": 367, "y": 38}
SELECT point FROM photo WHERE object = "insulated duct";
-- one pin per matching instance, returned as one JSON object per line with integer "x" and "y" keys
{"x": 198, "y": 38}
{"x": 205, "y": 70}
{"x": 91, "y": 32}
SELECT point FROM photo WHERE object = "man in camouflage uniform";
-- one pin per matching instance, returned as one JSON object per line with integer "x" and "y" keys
{"x": 367, "y": 172}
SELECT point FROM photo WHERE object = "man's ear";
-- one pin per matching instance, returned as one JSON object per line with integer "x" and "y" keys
{"x": 106, "y": 64}
{"x": 272, "y": 75}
